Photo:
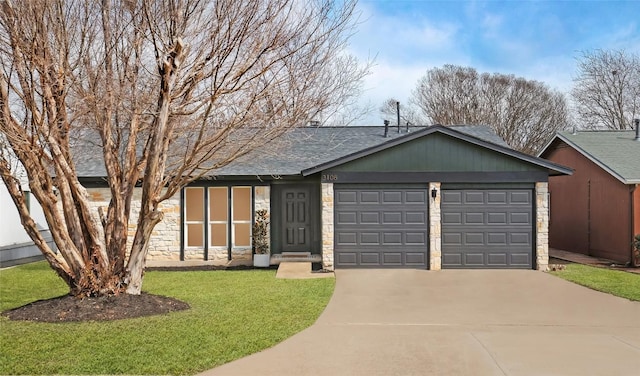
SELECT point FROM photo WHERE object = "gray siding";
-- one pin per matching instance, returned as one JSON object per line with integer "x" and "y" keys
{"x": 438, "y": 153}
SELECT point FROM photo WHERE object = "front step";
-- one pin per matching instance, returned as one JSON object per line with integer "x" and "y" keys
{"x": 294, "y": 257}
{"x": 293, "y": 269}
{"x": 299, "y": 270}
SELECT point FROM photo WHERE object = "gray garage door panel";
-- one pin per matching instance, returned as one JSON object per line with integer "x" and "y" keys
{"x": 487, "y": 228}
{"x": 380, "y": 227}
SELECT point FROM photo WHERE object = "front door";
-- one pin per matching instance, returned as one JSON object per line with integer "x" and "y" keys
{"x": 296, "y": 220}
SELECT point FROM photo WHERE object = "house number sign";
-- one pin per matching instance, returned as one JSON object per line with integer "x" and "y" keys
{"x": 329, "y": 177}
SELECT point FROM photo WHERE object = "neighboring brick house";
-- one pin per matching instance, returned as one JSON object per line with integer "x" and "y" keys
{"x": 349, "y": 197}
{"x": 596, "y": 211}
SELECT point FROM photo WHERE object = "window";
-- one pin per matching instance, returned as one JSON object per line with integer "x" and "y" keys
{"x": 194, "y": 217}
{"x": 241, "y": 216}
{"x": 218, "y": 216}
{"x": 227, "y": 211}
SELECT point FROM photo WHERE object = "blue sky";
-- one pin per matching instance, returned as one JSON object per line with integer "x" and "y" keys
{"x": 537, "y": 40}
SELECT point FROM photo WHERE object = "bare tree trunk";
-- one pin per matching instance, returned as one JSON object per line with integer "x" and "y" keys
{"x": 76, "y": 85}
{"x": 152, "y": 185}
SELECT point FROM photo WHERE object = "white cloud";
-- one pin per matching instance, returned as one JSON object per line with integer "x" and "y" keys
{"x": 388, "y": 81}
{"x": 387, "y": 35}
{"x": 409, "y": 38}
{"x": 491, "y": 23}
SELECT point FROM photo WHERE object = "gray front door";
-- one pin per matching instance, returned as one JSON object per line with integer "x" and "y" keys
{"x": 296, "y": 219}
{"x": 383, "y": 227}
{"x": 487, "y": 228}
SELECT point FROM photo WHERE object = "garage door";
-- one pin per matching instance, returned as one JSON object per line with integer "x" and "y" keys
{"x": 487, "y": 228}
{"x": 380, "y": 227}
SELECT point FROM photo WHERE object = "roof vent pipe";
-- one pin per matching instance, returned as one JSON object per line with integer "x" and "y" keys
{"x": 637, "y": 121}
{"x": 386, "y": 128}
{"x": 398, "y": 113}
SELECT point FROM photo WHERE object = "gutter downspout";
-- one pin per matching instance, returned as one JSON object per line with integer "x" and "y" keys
{"x": 589, "y": 217}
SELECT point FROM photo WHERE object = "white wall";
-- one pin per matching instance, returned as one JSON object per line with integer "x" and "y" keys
{"x": 11, "y": 230}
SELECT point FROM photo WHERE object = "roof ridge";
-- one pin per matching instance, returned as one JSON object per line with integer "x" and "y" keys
{"x": 598, "y": 131}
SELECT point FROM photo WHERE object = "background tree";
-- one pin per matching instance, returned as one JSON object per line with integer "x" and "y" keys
{"x": 164, "y": 91}
{"x": 408, "y": 113}
{"x": 526, "y": 114}
{"x": 606, "y": 89}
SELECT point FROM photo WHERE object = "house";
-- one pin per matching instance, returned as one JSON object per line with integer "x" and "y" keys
{"x": 351, "y": 197}
{"x": 16, "y": 246}
{"x": 596, "y": 211}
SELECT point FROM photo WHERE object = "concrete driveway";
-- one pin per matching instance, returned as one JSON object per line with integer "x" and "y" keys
{"x": 458, "y": 322}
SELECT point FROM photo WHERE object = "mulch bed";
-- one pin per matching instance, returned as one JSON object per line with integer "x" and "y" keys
{"x": 68, "y": 308}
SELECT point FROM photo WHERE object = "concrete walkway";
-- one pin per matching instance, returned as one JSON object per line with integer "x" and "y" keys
{"x": 458, "y": 322}
{"x": 589, "y": 260}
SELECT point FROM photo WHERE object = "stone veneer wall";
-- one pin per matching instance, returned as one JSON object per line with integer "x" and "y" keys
{"x": 327, "y": 225}
{"x": 165, "y": 239}
{"x": 435, "y": 229}
{"x": 542, "y": 226}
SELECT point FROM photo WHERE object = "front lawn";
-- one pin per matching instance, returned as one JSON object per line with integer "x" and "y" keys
{"x": 615, "y": 282}
{"x": 233, "y": 314}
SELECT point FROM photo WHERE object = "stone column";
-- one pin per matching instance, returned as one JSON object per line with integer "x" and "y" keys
{"x": 262, "y": 197}
{"x": 435, "y": 229}
{"x": 542, "y": 226}
{"x": 327, "y": 225}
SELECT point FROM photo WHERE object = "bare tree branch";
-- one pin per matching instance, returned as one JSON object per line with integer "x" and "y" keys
{"x": 526, "y": 114}
{"x": 606, "y": 89}
{"x": 162, "y": 92}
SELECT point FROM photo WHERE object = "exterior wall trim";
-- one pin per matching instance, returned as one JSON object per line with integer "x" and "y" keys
{"x": 443, "y": 177}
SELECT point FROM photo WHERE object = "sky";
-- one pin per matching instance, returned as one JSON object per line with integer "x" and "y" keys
{"x": 537, "y": 40}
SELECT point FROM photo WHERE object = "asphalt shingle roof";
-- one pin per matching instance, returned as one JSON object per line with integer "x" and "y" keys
{"x": 297, "y": 150}
{"x": 304, "y": 148}
{"x": 615, "y": 151}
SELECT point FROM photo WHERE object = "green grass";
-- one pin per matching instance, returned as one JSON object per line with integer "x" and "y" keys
{"x": 233, "y": 314}
{"x": 615, "y": 282}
